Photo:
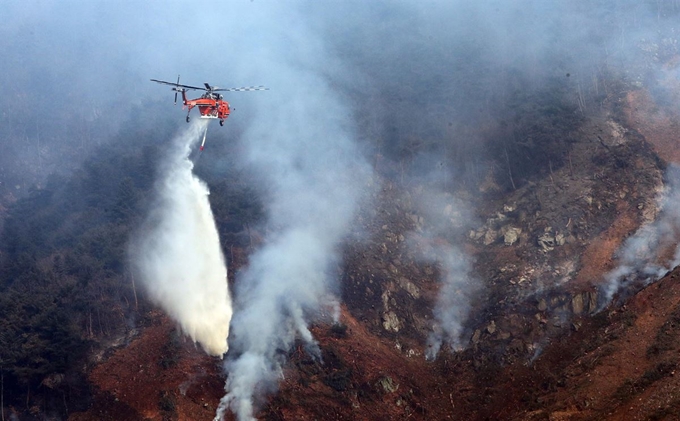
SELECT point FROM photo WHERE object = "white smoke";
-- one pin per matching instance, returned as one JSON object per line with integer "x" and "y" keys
{"x": 177, "y": 252}
{"x": 302, "y": 146}
{"x": 640, "y": 254}
{"x": 453, "y": 302}
{"x": 313, "y": 177}
{"x": 446, "y": 217}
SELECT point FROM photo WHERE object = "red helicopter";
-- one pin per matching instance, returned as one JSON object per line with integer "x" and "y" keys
{"x": 210, "y": 104}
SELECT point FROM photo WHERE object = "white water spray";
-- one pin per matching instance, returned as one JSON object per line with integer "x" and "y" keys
{"x": 177, "y": 252}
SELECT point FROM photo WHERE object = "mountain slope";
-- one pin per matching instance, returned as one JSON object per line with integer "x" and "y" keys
{"x": 537, "y": 347}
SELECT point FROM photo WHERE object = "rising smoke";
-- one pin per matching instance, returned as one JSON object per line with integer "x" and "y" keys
{"x": 445, "y": 218}
{"x": 177, "y": 252}
{"x": 453, "y": 304}
{"x": 312, "y": 176}
{"x": 644, "y": 257}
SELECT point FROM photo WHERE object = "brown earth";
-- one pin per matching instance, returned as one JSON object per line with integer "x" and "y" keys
{"x": 160, "y": 375}
{"x": 597, "y": 257}
{"x": 659, "y": 125}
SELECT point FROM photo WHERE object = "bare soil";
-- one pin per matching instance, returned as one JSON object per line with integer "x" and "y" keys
{"x": 159, "y": 376}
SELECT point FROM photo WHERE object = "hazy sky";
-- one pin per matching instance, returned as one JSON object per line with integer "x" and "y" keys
{"x": 92, "y": 59}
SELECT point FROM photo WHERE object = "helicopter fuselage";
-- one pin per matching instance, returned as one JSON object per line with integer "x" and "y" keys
{"x": 209, "y": 106}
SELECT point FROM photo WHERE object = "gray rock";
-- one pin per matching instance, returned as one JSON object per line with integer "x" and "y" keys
{"x": 478, "y": 234}
{"x": 391, "y": 322}
{"x": 592, "y": 301}
{"x": 410, "y": 287}
{"x": 546, "y": 242}
{"x": 476, "y": 336}
{"x": 577, "y": 304}
{"x": 387, "y": 384}
{"x": 510, "y": 234}
{"x": 490, "y": 237}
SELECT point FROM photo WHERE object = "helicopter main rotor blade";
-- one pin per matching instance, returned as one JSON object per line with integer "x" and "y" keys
{"x": 242, "y": 89}
{"x": 177, "y": 85}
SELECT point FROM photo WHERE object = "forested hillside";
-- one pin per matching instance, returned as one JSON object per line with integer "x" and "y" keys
{"x": 67, "y": 291}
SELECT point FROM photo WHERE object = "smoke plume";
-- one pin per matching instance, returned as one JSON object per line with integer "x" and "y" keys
{"x": 453, "y": 303}
{"x": 641, "y": 258}
{"x": 310, "y": 174}
{"x": 177, "y": 252}
{"x": 313, "y": 177}
{"x": 445, "y": 218}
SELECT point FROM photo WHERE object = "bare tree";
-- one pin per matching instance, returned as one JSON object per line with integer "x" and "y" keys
{"x": 2, "y": 394}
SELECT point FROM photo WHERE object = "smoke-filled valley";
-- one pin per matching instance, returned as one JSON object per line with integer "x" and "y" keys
{"x": 438, "y": 210}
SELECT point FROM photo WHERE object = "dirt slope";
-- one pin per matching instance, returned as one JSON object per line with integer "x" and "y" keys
{"x": 158, "y": 376}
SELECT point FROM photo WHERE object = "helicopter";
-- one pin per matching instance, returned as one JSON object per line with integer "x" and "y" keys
{"x": 211, "y": 104}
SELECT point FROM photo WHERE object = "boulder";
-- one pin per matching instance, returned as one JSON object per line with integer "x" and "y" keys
{"x": 577, "y": 304}
{"x": 391, "y": 322}
{"x": 410, "y": 287}
{"x": 476, "y": 336}
{"x": 546, "y": 242}
{"x": 510, "y": 234}
{"x": 387, "y": 384}
{"x": 490, "y": 237}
